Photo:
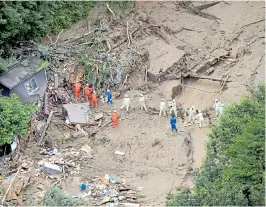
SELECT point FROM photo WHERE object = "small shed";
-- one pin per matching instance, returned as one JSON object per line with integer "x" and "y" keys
{"x": 27, "y": 79}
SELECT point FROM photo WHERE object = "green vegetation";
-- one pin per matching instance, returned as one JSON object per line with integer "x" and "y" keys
{"x": 31, "y": 20}
{"x": 56, "y": 197}
{"x": 14, "y": 117}
{"x": 234, "y": 169}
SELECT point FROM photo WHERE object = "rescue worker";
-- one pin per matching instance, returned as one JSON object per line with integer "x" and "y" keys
{"x": 191, "y": 116}
{"x": 114, "y": 118}
{"x": 162, "y": 108}
{"x": 87, "y": 92}
{"x": 126, "y": 103}
{"x": 102, "y": 98}
{"x": 94, "y": 101}
{"x": 77, "y": 88}
{"x": 173, "y": 123}
{"x": 109, "y": 97}
{"x": 221, "y": 109}
{"x": 173, "y": 109}
{"x": 217, "y": 106}
{"x": 142, "y": 103}
{"x": 200, "y": 119}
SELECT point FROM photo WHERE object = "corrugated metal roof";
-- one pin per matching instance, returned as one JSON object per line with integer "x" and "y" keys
{"x": 19, "y": 72}
{"x": 78, "y": 113}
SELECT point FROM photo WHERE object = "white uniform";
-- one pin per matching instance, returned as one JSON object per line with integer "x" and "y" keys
{"x": 221, "y": 109}
{"x": 173, "y": 109}
{"x": 162, "y": 108}
{"x": 201, "y": 119}
{"x": 142, "y": 103}
{"x": 125, "y": 103}
{"x": 217, "y": 106}
{"x": 191, "y": 116}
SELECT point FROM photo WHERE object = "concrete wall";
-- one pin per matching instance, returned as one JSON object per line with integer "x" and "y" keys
{"x": 21, "y": 91}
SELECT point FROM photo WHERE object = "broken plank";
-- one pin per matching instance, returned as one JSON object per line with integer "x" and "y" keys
{"x": 46, "y": 126}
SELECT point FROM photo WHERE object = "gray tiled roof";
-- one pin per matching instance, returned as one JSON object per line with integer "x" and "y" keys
{"x": 19, "y": 73}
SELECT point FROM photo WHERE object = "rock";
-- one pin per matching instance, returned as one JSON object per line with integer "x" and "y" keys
{"x": 120, "y": 198}
{"x": 51, "y": 168}
{"x": 25, "y": 165}
{"x": 106, "y": 200}
{"x": 98, "y": 116}
{"x": 40, "y": 187}
{"x": 41, "y": 194}
{"x": 86, "y": 148}
{"x": 119, "y": 153}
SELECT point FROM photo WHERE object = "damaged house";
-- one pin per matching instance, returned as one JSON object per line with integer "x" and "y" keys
{"x": 27, "y": 79}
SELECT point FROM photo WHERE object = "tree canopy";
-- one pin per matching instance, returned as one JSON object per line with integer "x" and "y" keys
{"x": 233, "y": 172}
{"x": 31, "y": 20}
{"x": 14, "y": 117}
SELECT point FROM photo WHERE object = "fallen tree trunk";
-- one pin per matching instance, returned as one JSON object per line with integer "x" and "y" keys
{"x": 124, "y": 40}
{"x": 204, "y": 77}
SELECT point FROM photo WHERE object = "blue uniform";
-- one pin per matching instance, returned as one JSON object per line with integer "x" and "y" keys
{"x": 109, "y": 97}
{"x": 173, "y": 123}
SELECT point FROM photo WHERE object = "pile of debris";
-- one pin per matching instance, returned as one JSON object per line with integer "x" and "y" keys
{"x": 107, "y": 190}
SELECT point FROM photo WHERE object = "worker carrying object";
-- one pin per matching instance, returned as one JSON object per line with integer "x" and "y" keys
{"x": 162, "y": 108}
{"x": 109, "y": 97}
{"x": 173, "y": 123}
{"x": 142, "y": 102}
{"x": 173, "y": 109}
{"x": 94, "y": 101}
{"x": 217, "y": 106}
{"x": 77, "y": 88}
{"x": 114, "y": 119}
{"x": 87, "y": 92}
{"x": 200, "y": 119}
{"x": 126, "y": 103}
{"x": 191, "y": 116}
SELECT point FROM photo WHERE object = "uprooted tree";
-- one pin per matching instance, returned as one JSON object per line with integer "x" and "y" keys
{"x": 14, "y": 117}
{"x": 234, "y": 167}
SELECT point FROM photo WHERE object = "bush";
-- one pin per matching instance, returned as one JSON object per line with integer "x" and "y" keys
{"x": 14, "y": 117}
{"x": 233, "y": 170}
{"x": 56, "y": 197}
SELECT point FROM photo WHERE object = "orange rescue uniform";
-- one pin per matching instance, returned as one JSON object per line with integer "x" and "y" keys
{"x": 94, "y": 101}
{"x": 114, "y": 119}
{"x": 87, "y": 91}
{"x": 77, "y": 88}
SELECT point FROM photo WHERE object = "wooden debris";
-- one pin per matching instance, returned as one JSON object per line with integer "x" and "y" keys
{"x": 4, "y": 197}
{"x": 46, "y": 126}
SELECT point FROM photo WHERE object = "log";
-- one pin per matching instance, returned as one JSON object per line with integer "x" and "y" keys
{"x": 46, "y": 125}
{"x": 205, "y": 77}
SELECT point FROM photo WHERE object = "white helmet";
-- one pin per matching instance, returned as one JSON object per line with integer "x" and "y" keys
{"x": 126, "y": 95}
{"x": 199, "y": 111}
{"x": 192, "y": 107}
{"x": 216, "y": 100}
{"x": 77, "y": 81}
{"x": 87, "y": 84}
{"x": 173, "y": 100}
{"x": 162, "y": 99}
{"x": 108, "y": 90}
{"x": 141, "y": 95}
{"x": 114, "y": 110}
{"x": 222, "y": 105}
